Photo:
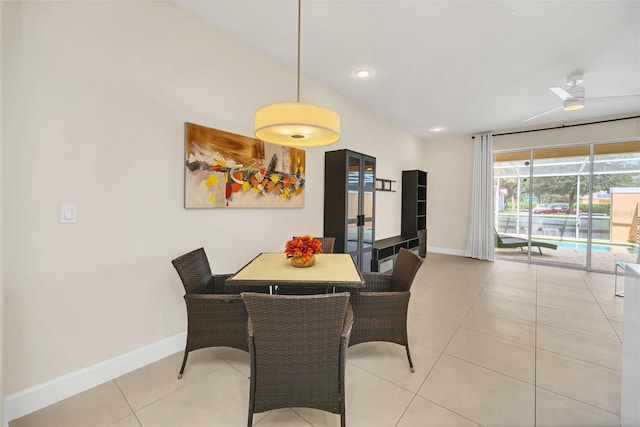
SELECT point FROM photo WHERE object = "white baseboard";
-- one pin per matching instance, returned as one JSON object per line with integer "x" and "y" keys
{"x": 446, "y": 251}
{"x": 37, "y": 397}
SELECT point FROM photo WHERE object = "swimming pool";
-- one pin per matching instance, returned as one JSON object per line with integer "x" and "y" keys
{"x": 595, "y": 247}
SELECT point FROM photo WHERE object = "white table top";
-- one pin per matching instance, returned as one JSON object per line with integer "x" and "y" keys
{"x": 276, "y": 269}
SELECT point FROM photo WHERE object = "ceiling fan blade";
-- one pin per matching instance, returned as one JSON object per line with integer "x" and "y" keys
{"x": 542, "y": 114}
{"x": 561, "y": 93}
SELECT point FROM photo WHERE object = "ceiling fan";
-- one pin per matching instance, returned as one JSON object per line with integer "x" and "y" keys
{"x": 573, "y": 97}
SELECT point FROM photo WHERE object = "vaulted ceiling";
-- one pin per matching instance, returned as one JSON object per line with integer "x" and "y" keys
{"x": 463, "y": 66}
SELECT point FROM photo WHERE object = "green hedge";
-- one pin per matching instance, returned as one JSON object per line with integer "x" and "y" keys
{"x": 596, "y": 209}
{"x": 508, "y": 206}
{"x": 603, "y": 209}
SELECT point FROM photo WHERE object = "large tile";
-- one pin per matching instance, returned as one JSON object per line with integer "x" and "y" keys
{"x": 128, "y": 421}
{"x": 602, "y": 282}
{"x": 100, "y": 406}
{"x": 422, "y": 413}
{"x": 421, "y": 285}
{"x": 513, "y": 281}
{"x": 555, "y": 410}
{"x": 608, "y": 297}
{"x": 559, "y": 302}
{"x": 317, "y": 418}
{"x": 575, "y": 282}
{"x": 514, "y": 278}
{"x": 582, "y": 381}
{"x": 152, "y": 382}
{"x": 578, "y": 377}
{"x": 584, "y": 294}
{"x": 560, "y": 275}
{"x": 618, "y": 326}
{"x": 506, "y": 307}
{"x": 471, "y": 269}
{"x": 613, "y": 311}
{"x": 516, "y": 270}
{"x": 595, "y": 326}
{"x": 512, "y": 293}
{"x": 389, "y": 361}
{"x": 479, "y": 394}
{"x": 218, "y": 399}
{"x": 460, "y": 291}
{"x": 579, "y": 346}
{"x": 430, "y": 332}
{"x": 239, "y": 359}
{"x": 436, "y": 308}
{"x": 514, "y": 330}
{"x": 506, "y": 357}
{"x": 289, "y": 417}
{"x": 370, "y": 401}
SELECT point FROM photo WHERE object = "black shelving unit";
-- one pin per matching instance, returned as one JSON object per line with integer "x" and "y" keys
{"x": 386, "y": 250}
{"x": 414, "y": 206}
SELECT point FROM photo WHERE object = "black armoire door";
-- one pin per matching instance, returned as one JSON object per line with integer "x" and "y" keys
{"x": 349, "y": 204}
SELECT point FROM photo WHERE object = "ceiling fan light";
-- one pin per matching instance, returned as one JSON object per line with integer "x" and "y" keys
{"x": 573, "y": 104}
{"x": 296, "y": 124}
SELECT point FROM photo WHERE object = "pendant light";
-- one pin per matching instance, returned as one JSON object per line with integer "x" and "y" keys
{"x": 297, "y": 124}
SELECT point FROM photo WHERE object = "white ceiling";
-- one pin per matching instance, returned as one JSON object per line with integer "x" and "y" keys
{"x": 467, "y": 66}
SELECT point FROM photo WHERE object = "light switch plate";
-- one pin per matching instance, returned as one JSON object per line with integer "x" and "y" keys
{"x": 67, "y": 214}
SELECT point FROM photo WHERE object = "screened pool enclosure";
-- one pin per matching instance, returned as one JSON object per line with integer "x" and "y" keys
{"x": 582, "y": 199}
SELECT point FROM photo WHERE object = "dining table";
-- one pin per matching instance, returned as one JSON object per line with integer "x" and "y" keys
{"x": 331, "y": 270}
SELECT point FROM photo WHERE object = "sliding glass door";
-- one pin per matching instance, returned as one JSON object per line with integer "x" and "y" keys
{"x": 512, "y": 176}
{"x": 616, "y": 194}
{"x": 560, "y": 181}
{"x": 574, "y": 206}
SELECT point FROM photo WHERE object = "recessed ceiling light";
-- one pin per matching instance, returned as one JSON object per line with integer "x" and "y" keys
{"x": 436, "y": 129}
{"x": 363, "y": 73}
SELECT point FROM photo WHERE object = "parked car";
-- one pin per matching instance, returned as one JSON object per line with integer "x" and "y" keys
{"x": 551, "y": 208}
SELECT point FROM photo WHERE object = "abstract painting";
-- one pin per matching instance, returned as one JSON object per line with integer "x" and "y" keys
{"x": 225, "y": 170}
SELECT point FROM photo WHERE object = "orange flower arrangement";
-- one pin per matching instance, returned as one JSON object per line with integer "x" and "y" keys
{"x": 304, "y": 247}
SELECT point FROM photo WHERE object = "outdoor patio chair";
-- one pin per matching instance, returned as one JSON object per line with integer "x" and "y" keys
{"x": 505, "y": 241}
{"x": 380, "y": 308}
{"x": 216, "y": 316}
{"x": 620, "y": 267}
{"x": 297, "y": 346}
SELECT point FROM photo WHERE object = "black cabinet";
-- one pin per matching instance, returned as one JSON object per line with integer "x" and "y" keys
{"x": 414, "y": 206}
{"x": 386, "y": 250}
{"x": 349, "y": 204}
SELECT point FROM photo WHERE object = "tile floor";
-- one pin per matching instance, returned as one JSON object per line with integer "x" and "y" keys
{"x": 600, "y": 260}
{"x": 494, "y": 344}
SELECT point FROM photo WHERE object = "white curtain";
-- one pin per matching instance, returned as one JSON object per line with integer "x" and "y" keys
{"x": 481, "y": 237}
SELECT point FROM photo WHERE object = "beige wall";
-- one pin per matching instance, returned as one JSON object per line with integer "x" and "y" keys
{"x": 449, "y": 164}
{"x": 96, "y": 95}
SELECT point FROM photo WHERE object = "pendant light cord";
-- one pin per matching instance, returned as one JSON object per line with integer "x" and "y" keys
{"x": 298, "y": 88}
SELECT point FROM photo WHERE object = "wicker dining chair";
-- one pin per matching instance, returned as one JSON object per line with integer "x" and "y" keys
{"x": 297, "y": 345}
{"x": 327, "y": 248}
{"x": 327, "y": 244}
{"x": 380, "y": 308}
{"x": 216, "y": 315}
